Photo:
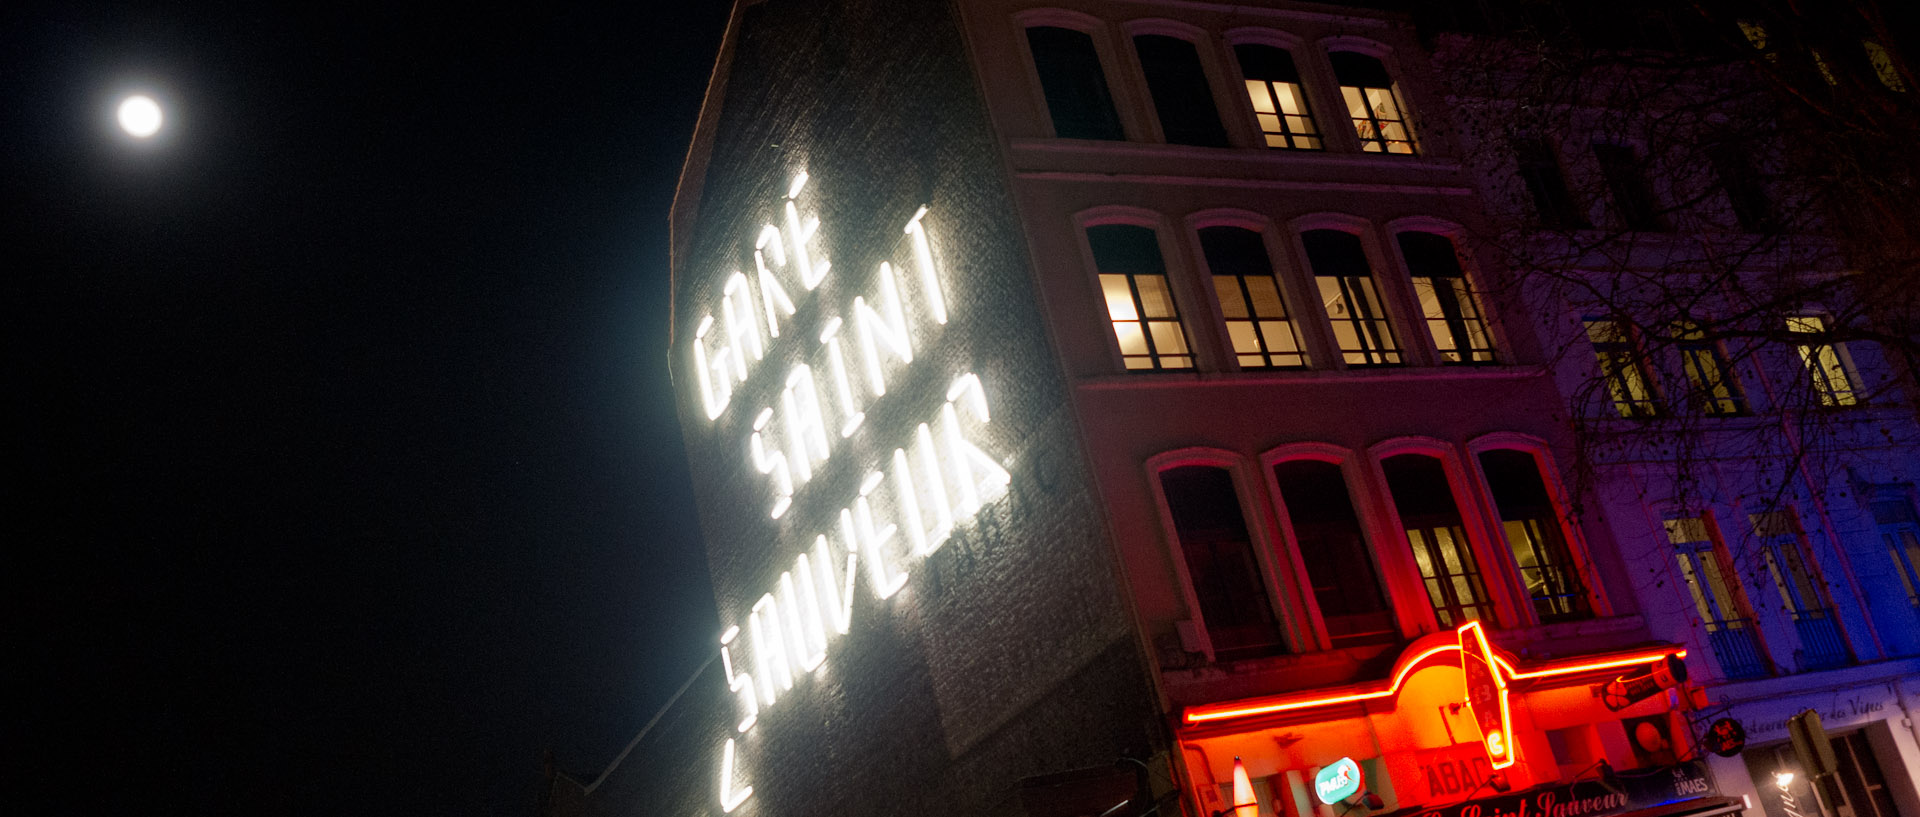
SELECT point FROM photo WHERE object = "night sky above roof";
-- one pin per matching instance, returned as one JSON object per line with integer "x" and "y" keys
{"x": 348, "y": 474}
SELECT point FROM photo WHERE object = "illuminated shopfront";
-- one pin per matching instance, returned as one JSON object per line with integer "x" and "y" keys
{"x": 1418, "y": 742}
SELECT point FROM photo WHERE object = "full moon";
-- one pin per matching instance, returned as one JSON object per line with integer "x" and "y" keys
{"x": 140, "y": 116}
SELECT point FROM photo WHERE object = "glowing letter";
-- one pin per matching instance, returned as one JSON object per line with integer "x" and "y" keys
{"x": 889, "y": 325}
{"x": 837, "y": 365}
{"x": 923, "y": 260}
{"x": 772, "y": 295}
{"x": 837, "y": 603}
{"x": 771, "y": 462}
{"x": 800, "y": 412}
{"x": 812, "y": 270}
{"x": 976, "y": 474}
{"x": 730, "y": 799}
{"x": 741, "y": 684}
{"x": 714, "y": 402}
{"x": 814, "y": 634}
{"x": 876, "y": 540}
{"x": 936, "y": 487}
{"x": 769, "y": 655}
{"x": 796, "y": 615}
{"x": 736, "y": 309}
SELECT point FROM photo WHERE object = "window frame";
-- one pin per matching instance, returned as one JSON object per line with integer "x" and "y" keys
{"x": 1354, "y": 143}
{"x": 1100, "y": 32}
{"x": 1291, "y": 296}
{"x": 1716, "y": 546}
{"x": 1178, "y": 281}
{"x": 1471, "y": 272}
{"x": 1821, "y": 385}
{"x": 1216, "y": 75}
{"x": 1387, "y": 569}
{"x": 1253, "y": 511}
{"x": 1571, "y": 536}
{"x": 1716, "y": 350}
{"x": 1639, "y": 362}
{"x": 1310, "y": 88}
{"x": 1473, "y": 522}
{"x": 1392, "y": 300}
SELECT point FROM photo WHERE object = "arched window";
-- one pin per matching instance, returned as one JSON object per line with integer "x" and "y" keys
{"x": 1332, "y": 547}
{"x": 1459, "y": 332}
{"x": 1074, "y": 84}
{"x": 1182, "y": 99}
{"x": 1133, "y": 281}
{"x": 1531, "y": 523}
{"x": 1279, "y": 103}
{"x": 1373, "y": 101}
{"x": 1345, "y": 283}
{"x": 1250, "y": 302}
{"x": 1219, "y": 555}
{"x": 1438, "y": 537}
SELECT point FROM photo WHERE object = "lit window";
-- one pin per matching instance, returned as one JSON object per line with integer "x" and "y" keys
{"x": 1531, "y": 523}
{"x": 1220, "y": 561}
{"x": 1327, "y": 535}
{"x": 1712, "y": 586}
{"x": 1899, "y": 527}
{"x": 1784, "y": 549}
{"x": 1373, "y": 101}
{"x": 1547, "y": 185}
{"x": 1074, "y": 84}
{"x": 1710, "y": 380}
{"x": 1279, "y": 103}
{"x": 1883, "y": 67}
{"x": 1438, "y": 538}
{"x": 1345, "y": 283}
{"x": 1621, "y": 365}
{"x": 1181, "y": 96}
{"x": 1827, "y": 362}
{"x": 1627, "y": 182}
{"x": 1133, "y": 280}
{"x": 1756, "y": 34}
{"x": 1250, "y": 301}
{"x": 1459, "y": 332}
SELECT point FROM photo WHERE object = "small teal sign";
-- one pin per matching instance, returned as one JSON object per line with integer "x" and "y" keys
{"x": 1337, "y": 781}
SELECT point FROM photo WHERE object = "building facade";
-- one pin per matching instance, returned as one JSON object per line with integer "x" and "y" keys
{"x": 1117, "y": 408}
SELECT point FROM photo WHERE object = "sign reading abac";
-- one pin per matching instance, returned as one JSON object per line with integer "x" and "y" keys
{"x": 1726, "y": 737}
{"x": 1631, "y": 791}
{"x": 1486, "y": 694}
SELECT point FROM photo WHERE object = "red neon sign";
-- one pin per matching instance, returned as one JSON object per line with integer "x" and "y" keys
{"x": 1486, "y": 694}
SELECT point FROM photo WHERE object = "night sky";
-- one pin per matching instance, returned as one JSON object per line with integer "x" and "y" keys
{"x": 346, "y": 473}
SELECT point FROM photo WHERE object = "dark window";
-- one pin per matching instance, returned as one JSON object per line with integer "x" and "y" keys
{"x": 1250, "y": 301}
{"x": 1459, "y": 331}
{"x": 1075, "y": 87}
{"x": 1752, "y": 208}
{"x": 1344, "y": 281}
{"x": 1547, "y": 185}
{"x": 1279, "y": 102}
{"x": 1221, "y": 562}
{"x": 1373, "y": 102}
{"x": 1531, "y": 523}
{"x": 1181, "y": 96}
{"x": 1627, "y": 183}
{"x": 1133, "y": 280}
{"x": 1339, "y": 564}
{"x": 1438, "y": 537}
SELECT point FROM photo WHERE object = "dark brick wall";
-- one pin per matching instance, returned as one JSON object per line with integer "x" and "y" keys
{"x": 1010, "y": 652}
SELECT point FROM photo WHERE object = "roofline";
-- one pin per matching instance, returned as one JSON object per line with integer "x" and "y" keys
{"x": 693, "y": 169}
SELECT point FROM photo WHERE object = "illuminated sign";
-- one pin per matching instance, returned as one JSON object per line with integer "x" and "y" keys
{"x": 1486, "y": 694}
{"x": 930, "y": 477}
{"x": 1338, "y": 781}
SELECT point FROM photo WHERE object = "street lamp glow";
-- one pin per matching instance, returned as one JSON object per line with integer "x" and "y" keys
{"x": 139, "y": 116}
